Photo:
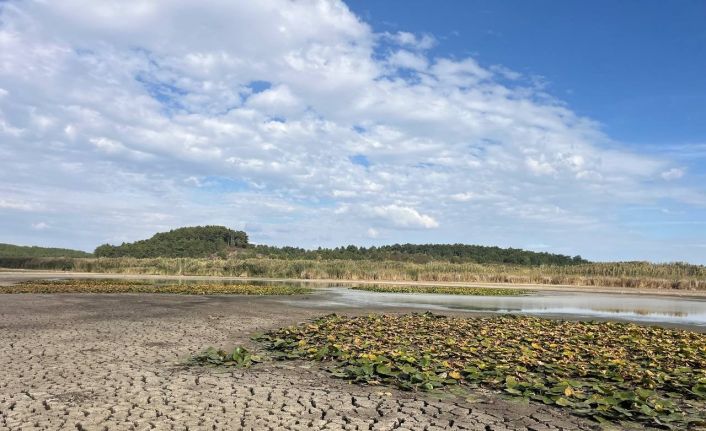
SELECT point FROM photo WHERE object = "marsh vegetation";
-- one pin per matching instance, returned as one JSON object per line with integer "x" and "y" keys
{"x": 607, "y": 371}
{"x": 625, "y": 275}
{"x": 137, "y": 286}
{"x": 442, "y": 290}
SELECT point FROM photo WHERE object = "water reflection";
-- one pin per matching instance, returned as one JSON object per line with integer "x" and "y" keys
{"x": 658, "y": 309}
{"x": 578, "y": 305}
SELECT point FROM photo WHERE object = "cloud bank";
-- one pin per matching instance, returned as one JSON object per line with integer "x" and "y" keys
{"x": 299, "y": 123}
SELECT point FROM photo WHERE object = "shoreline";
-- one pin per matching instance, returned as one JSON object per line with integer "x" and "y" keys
{"x": 14, "y": 275}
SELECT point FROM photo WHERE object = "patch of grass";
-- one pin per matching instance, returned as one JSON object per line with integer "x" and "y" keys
{"x": 240, "y": 357}
{"x": 603, "y": 370}
{"x": 137, "y": 286}
{"x": 446, "y": 290}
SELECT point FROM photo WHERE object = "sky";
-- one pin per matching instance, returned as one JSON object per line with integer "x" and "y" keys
{"x": 559, "y": 126}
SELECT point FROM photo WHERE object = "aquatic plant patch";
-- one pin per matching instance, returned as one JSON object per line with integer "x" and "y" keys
{"x": 139, "y": 286}
{"x": 445, "y": 290}
{"x": 603, "y": 370}
{"x": 239, "y": 357}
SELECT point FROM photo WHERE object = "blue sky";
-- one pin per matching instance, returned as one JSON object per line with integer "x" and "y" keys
{"x": 635, "y": 66}
{"x": 570, "y": 127}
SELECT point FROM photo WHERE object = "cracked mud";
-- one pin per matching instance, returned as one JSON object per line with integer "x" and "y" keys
{"x": 113, "y": 362}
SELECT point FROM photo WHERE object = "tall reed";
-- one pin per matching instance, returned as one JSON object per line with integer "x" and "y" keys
{"x": 619, "y": 274}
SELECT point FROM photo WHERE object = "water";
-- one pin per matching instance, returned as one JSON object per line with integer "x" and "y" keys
{"x": 574, "y": 305}
{"x": 666, "y": 310}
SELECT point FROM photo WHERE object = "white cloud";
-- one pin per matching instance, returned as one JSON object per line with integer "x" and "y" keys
{"x": 124, "y": 111}
{"x": 16, "y": 205}
{"x": 116, "y": 148}
{"x": 672, "y": 174}
{"x": 276, "y": 101}
{"x": 404, "y": 38}
{"x": 404, "y": 217}
{"x": 462, "y": 197}
{"x": 408, "y": 60}
{"x": 462, "y": 73}
{"x": 40, "y": 226}
{"x": 539, "y": 167}
{"x": 505, "y": 72}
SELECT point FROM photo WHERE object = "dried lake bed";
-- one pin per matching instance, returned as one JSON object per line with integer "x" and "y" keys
{"x": 115, "y": 361}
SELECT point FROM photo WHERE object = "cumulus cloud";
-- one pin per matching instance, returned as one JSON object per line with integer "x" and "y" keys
{"x": 121, "y": 111}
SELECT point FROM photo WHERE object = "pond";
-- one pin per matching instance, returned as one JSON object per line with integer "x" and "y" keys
{"x": 683, "y": 311}
{"x": 644, "y": 308}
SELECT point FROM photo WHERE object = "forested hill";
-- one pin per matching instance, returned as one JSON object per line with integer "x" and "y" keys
{"x": 219, "y": 241}
{"x": 423, "y": 253}
{"x": 9, "y": 250}
{"x": 198, "y": 241}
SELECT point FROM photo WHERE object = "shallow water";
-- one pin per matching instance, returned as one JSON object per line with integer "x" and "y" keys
{"x": 575, "y": 305}
{"x": 665, "y": 310}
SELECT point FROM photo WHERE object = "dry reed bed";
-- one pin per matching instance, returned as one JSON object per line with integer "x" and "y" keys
{"x": 625, "y": 275}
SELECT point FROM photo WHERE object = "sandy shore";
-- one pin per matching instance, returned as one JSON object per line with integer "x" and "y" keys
{"x": 113, "y": 362}
{"x": 10, "y": 276}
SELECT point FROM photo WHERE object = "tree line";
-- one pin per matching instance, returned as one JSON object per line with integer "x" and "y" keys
{"x": 219, "y": 241}
{"x": 422, "y": 253}
{"x": 222, "y": 242}
{"x": 10, "y": 250}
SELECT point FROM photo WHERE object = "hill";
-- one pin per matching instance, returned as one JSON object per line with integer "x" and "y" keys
{"x": 10, "y": 250}
{"x": 210, "y": 241}
{"x": 198, "y": 241}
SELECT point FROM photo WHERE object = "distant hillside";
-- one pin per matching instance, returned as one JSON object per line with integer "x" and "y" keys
{"x": 9, "y": 250}
{"x": 421, "y": 253}
{"x": 208, "y": 241}
{"x": 198, "y": 241}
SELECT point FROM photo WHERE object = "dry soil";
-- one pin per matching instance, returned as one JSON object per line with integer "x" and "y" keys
{"x": 115, "y": 362}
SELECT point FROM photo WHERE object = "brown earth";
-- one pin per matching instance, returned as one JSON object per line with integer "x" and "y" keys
{"x": 115, "y": 362}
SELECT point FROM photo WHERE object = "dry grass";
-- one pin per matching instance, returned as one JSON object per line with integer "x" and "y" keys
{"x": 626, "y": 275}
